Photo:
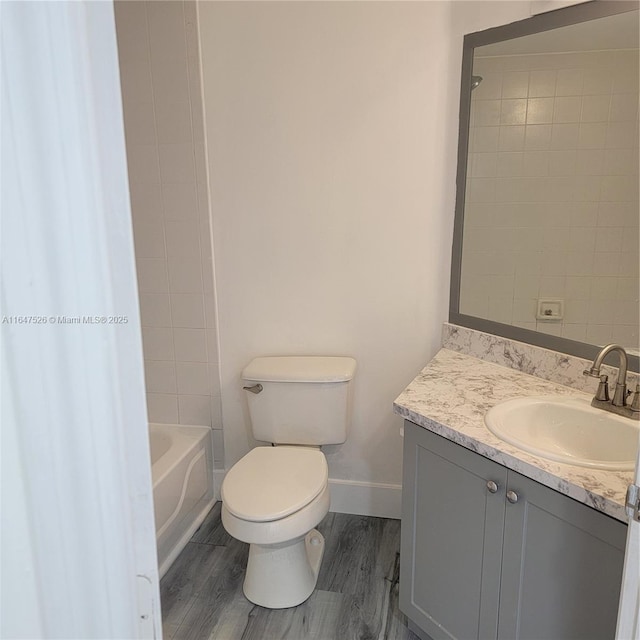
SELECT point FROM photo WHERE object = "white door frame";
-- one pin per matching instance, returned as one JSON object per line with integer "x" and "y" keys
{"x": 78, "y": 539}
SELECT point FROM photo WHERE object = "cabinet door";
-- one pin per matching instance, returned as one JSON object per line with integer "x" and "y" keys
{"x": 561, "y": 567}
{"x": 451, "y": 537}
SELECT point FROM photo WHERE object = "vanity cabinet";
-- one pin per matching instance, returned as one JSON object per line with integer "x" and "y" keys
{"x": 488, "y": 553}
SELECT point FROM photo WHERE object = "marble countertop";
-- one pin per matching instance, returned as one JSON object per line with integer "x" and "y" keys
{"x": 450, "y": 397}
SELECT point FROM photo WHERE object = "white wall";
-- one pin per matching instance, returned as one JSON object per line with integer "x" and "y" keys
{"x": 331, "y": 212}
{"x": 331, "y": 133}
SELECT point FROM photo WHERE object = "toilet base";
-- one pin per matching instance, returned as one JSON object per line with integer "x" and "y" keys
{"x": 284, "y": 575}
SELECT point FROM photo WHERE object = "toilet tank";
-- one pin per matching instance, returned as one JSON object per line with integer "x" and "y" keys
{"x": 304, "y": 399}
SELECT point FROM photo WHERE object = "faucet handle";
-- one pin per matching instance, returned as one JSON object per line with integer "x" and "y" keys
{"x": 603, "y": 388}
{"x": 635, "y": 403}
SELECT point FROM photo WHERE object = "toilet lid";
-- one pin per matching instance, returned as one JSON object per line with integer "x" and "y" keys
{"x": 270, "y": 483}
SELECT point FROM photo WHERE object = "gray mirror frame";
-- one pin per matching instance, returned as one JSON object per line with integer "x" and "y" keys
{"x": 536, "y": 24}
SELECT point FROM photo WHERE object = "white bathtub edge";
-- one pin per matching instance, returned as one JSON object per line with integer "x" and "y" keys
{"x": 184, "y": 539}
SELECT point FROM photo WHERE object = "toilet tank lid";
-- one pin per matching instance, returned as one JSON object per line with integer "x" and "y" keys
{"x": 300, "y": 369}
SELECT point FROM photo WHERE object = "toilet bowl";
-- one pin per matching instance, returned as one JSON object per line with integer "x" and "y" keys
{"x": 273, "y": 498}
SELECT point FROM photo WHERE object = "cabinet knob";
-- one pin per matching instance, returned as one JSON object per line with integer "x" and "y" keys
{"x": 492, "y": 486}
{"x": 512, "y": 497}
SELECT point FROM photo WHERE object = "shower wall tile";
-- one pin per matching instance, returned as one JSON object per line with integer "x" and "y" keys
{"x": 146, "y": 201}
{"x": 214, "y": 374}
{"x": 552, "y": 193}
{"x": 511, "y": 138}
{"x": 200, "y": 163}
{"x": 155, "y": 310}
{"x": 143, "y": 163}
{"x": 194, "y": 409}
{"x": 187, "y": 310}
{"x": 140, "y": 124}
{"x": 185, "y": 275}
{"x": 133, "y": 33}
{"x": 166, "y": 30}
{"x": 484, "y": 138}
{"x": 162, "y": 407}
{"x": 183, "y": 237}
{"x": 177, "y": 163}
{"x": 174, "y": 122}
{"x": 212, "y": 350}
{"x": 135, "y": 71}
{"x": 180, "y": 201}
{"x": 191, "y": 345}
{"x": 192, "y": 378}
{"x": 206, "y": 251}
{"x": 157, "y": 343}
{"x": 162, "y": 99}
{"x": 161, "y": 377}
{"x": 170, "y": 79}
{"x": 148, "y": 238}
{"x": 152, "y": 275}
{"x": 207, "y": 276}
{"x": 210, "y": 311}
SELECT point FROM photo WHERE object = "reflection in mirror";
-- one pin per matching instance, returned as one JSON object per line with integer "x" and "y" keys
{"x": 550, "y": 234}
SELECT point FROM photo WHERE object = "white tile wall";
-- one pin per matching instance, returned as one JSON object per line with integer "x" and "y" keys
{"x": 159, "y": 61}
{"x": 552, "y": 193}
{"x": 191, "y": 345}
{"x": 161, "y": 376}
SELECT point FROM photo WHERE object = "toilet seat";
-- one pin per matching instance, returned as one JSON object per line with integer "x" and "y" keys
{"x": 271, "y": 483}
{"x": 285, "y": 530}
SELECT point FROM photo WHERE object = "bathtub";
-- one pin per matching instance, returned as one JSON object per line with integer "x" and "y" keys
{"x": 182, "y": 473}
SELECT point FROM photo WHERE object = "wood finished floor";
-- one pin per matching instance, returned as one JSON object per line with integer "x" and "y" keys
{"x": 356, "y": 596}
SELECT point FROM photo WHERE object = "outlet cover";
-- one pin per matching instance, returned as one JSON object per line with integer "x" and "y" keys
{"x": 550, "y": 309}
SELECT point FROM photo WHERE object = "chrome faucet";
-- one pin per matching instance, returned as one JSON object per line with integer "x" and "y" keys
{"x": 619, "y": 402}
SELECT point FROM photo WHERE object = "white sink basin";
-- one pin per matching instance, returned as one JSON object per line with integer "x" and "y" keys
{"x": 567, "y": 430}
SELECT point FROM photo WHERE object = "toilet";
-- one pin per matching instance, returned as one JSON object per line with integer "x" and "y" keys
{"x": 275, "y": 496}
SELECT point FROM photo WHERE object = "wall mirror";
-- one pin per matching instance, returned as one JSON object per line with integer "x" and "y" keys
{"x": 546, "y": 232}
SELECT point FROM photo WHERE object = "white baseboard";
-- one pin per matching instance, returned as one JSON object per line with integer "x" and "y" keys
{"x": 366, "y": 498}
{"x": 351, "y": 496}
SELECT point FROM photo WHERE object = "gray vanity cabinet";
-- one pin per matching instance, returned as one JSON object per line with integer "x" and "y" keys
{"x": 487, "y": 553}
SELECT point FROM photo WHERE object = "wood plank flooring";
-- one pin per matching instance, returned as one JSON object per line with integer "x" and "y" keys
{"x": 356, "y": 596}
